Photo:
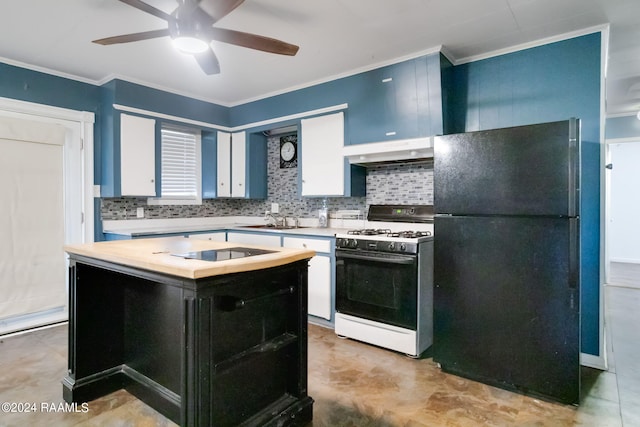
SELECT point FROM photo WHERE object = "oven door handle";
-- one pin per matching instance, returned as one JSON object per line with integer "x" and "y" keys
{"x": 394, "y": 259}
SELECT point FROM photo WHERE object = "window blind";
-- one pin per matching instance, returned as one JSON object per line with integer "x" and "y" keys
{"x": 179, "y": 162}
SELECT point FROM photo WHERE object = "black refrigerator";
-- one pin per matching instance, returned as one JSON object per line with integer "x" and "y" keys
{"x": 506, "y": 258}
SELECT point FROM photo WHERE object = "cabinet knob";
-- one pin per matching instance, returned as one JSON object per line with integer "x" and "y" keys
{"x": 222, "y": 183}
{"x": 304, "y": 245}
{"x": 152, "y": 180}
{"x": 240, "y": 185}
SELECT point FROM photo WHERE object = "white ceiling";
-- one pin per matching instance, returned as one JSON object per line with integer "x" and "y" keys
{"x": 336, "y": 37}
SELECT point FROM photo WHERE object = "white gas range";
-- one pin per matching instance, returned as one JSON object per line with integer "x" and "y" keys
{"x": 384, "y": 279}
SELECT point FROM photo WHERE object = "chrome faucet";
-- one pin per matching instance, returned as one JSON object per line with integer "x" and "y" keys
{"x": 271, "y": 220}
{"x": 294, "y": 220}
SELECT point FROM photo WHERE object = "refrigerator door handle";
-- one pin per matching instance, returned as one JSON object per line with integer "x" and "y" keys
{"x": 574, "y": 253}
{"x": 574, "y": 167}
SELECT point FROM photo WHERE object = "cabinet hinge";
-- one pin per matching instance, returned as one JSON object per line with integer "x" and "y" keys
{"x": 81, "y": 143}
{"x": 81, "y": 217}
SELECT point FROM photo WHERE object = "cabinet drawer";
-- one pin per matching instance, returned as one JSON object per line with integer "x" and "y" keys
{"x": 260, "y": 239}
{"x": 215, "y": 237}
{"x": 312, "y": 244}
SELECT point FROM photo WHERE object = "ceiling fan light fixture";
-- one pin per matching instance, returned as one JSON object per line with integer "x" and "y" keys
{"x": 190, "y": 44}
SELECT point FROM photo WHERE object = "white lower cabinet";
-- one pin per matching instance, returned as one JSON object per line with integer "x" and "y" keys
{"x": 320, "y": 269}
{"x": 320, "y": 287}
{"x": 219, "y": 236}
{"x": 260, "y": 239}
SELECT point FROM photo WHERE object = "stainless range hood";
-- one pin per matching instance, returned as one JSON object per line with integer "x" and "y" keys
{"x": 389, "y": 152}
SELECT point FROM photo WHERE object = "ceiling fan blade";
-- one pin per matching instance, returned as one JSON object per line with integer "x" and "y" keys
{"x": 252, "y": 41}
{"x": 148, "y": 8}
{"x": 134, "y": 37}
{"x": 208, "y": 61}
{"x": 211, "y": 11}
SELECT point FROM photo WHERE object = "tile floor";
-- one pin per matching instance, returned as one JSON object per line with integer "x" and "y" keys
{"x": 354, "y": 385}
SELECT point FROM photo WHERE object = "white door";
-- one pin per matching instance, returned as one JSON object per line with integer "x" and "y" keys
{"x": 623, "y": 226}
{"x": 47, "y": 175}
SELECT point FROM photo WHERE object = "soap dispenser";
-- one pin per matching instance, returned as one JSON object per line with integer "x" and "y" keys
{"x": 323, "y": 215}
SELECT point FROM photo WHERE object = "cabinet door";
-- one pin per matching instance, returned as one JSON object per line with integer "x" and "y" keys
{"x": 224, "y": 164}
{"x": 320, "y": 287}
{"x": 322, "y": 161}
{"x": 137, "y": 156}
{"x": 319, "y": 299}
{"x": 238, "y": 164}
{"x": 399, "y": 101}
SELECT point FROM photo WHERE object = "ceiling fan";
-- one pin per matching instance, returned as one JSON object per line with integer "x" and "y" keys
{"x": 190, "y": 28}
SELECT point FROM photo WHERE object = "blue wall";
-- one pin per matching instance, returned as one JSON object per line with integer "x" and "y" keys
{"x": 546, "y": 83}
{"x": 353, "y": 90}
{"x": 135, "y": 95}
{"x": 33, "y": 86}
{"x": 543, "y": 84}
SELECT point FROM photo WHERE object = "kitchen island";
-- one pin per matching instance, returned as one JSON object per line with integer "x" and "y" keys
{"x": 207, "y": 333}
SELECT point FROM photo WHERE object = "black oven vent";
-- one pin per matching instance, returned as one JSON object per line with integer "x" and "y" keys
{"x": 401, "y": 213}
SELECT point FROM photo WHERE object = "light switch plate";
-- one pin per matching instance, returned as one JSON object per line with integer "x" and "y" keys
{"x": 140, "y": 212}
{"x": 275, "y": 208}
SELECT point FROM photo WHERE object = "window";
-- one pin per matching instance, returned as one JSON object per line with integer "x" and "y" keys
{"x": 180, "y": 164}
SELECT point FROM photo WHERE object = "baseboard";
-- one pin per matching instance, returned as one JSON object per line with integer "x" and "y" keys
{"x": 27, "y": 322}
{"x": 592, "y": 361}
{"x": 153, "y": 394}
{"x": 625, "y": 260}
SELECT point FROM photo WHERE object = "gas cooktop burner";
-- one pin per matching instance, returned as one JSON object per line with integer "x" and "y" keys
{"x": 409, "y": 234}
{"x": 369, "y": 232}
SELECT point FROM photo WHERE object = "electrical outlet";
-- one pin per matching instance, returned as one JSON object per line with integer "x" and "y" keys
{"x": 275, "y": 208}
{"x": 140, "y": 213}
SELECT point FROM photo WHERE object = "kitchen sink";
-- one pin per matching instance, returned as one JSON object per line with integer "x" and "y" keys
{"x": 272, "y": 227}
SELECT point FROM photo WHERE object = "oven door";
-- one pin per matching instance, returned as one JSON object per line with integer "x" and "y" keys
{"x": 377, "y": 286}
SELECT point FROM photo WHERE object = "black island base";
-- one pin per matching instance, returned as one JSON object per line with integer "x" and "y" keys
{"x": 225, "y": 350}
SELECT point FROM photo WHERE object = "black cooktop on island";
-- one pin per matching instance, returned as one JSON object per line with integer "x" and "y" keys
{"x": 223, "y": 254}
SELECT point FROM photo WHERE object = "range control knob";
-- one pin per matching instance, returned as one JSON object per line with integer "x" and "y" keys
{"x": 353, "y": 243}
{"x": 392, "y": 246}
{"x": 403, "y": 247}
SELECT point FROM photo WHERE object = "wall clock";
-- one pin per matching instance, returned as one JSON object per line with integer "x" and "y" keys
{"x": 289, "y": 151}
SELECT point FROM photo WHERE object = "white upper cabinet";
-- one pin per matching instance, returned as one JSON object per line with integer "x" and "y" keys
{"x": 224, "y": 164}
{"x": 322, "y": 139}
{"x": 231, "y": 161}
{"x": 137, "y": 156}
{"x": 238, "y": 164}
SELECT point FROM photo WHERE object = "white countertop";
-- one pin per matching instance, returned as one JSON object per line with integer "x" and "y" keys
{"x": 157, "y": 255}
{"x": 308, "y": 226}
{"x": 149, "y": 227}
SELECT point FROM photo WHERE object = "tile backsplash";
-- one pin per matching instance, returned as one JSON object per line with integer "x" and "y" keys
{"x": 398, "y": 184}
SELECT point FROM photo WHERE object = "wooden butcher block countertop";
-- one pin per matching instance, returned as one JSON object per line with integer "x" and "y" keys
{"x": 154, "y": 254}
